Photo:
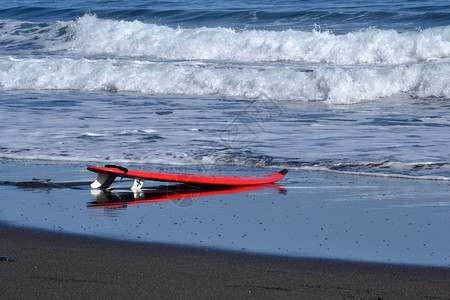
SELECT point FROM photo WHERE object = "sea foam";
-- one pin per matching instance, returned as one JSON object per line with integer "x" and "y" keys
{"x": 93, "y": 54}
{"x": 333, "y": 84}
{"x": 90, "y": 35}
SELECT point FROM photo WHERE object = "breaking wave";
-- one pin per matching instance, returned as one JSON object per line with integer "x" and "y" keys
{"x": 333, "y": 84}
{"x": 90, "y": 35}
{"x": 93, "y": 54}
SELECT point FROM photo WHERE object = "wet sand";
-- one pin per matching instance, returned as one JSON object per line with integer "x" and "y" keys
{"x": 54, "y": 266}
{"x": 66, "y": 259}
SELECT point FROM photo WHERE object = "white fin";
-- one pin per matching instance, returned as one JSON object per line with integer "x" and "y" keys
{"x": 138, "y": 183}
{"x": 103, "y": 181}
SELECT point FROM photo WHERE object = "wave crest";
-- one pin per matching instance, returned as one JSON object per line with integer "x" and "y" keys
{"x": 93, "y": 36}
{"x": 337, "y": 85}
{"x": 90, "y": 35}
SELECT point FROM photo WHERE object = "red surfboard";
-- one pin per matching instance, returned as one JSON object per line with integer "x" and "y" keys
{"x": 108, "y": 173}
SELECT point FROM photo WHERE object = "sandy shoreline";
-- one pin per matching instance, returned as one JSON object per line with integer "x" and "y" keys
{"x": 64, "y": 248}
{"x": 54, "y": 265}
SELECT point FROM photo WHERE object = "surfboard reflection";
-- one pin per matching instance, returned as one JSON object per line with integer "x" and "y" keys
{"x": 183, "y": 195}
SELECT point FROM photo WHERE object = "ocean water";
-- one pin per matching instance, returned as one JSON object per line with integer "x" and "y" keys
{"x": 340, "y": 86}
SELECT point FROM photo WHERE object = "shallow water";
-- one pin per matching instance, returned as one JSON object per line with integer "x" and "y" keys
{"x": 312, "y": 214}
{"x": 401, "y": 138}
{"x": 252, "y": 84}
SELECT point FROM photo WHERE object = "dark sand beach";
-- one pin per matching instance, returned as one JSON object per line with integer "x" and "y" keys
{"x": 66, "y": 259}
{"x": 54, "y": 266}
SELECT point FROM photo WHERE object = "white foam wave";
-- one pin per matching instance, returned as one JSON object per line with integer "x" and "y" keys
{"x": 337, "y": 85}
{"x": 90, "y": 35}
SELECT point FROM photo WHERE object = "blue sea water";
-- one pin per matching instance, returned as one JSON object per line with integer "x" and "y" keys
{"x": 354, "y": 87}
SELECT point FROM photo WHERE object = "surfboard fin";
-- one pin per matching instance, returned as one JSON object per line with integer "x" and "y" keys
{"x": 138, "y": 184}
{"x": 103, "y": 181}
